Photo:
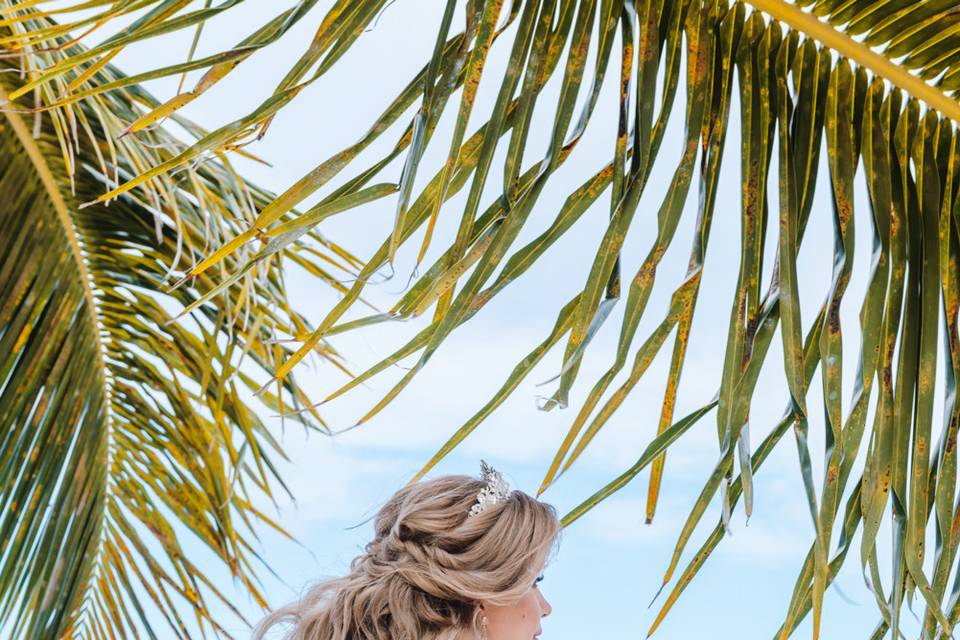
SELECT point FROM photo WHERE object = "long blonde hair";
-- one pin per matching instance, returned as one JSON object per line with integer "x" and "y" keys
{"x": 428, "y": 567}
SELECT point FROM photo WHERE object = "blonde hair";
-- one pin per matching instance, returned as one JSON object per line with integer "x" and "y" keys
{"x": 428, "y": 567}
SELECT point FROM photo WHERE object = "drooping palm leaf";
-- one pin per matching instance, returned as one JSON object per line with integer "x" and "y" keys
{"x": 872, "y": 82}
{"x": 127, "y": 441}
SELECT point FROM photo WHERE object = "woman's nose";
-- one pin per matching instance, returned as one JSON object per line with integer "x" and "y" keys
{"x": 544, "y": 606}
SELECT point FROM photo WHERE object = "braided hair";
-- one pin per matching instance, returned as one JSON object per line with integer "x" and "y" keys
{"x": 428, "y": 567}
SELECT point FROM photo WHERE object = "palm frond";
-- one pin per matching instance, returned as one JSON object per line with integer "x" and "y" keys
{"x": 874, "y": 83}
{"x": 129, "y": 440}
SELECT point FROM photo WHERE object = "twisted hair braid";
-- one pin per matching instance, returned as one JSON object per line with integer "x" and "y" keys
{"x": 428, "y": 567}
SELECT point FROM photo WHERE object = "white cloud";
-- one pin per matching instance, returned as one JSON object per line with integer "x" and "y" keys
{"x": 779, "y": 530}
{"x": 332, "y": 481}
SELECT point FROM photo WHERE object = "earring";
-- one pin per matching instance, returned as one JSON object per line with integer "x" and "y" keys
{"x": 483, "y": 628}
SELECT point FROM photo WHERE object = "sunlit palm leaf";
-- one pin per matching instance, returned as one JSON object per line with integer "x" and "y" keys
{"x": 883, "y": 102}
{"x": 127, "y": 440}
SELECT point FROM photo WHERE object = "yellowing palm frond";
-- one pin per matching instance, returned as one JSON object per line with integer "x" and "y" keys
{"x": 127, "y": 439}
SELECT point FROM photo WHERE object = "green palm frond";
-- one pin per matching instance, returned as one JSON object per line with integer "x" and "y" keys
{"x": 874, "y": 83}
{"x": 128, "y": 441}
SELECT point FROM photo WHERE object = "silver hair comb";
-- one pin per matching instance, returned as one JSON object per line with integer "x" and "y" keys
{"x": 496, "y": 490}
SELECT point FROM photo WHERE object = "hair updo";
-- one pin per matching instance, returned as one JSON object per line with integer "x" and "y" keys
{"x": 428, "y": 567}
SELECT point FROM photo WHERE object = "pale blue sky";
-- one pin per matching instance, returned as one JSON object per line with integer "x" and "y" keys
{"x": 610, "y": 563}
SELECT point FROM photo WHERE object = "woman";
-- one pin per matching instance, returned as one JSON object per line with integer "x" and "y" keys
{"x": 453, "y": 558}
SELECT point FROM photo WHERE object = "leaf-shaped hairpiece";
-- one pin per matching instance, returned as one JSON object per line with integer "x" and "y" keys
{"x": 497, "y": 489}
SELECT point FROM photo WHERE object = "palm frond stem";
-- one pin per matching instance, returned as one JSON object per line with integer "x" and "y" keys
{"x": 821, "y": 31}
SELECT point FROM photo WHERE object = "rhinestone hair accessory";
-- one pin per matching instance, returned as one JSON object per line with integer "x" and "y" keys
{"x": 496, "y": 490}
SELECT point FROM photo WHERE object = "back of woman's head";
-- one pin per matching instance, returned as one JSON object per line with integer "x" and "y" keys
{"x": 428, "y": 567}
